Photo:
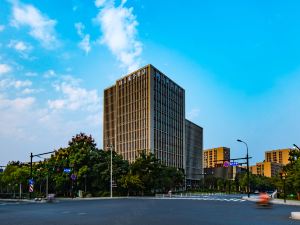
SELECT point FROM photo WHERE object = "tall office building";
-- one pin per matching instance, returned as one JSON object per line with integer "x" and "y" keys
{"x": 278, "y": 156}
{"x": 215, "y": 157}
{"x": 145, "y": 111}
{"x": 194, "y": 152}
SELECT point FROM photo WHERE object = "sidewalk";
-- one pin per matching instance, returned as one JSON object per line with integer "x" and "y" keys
{"x": 276, "y": 201}
{"x": 19, "y": 200}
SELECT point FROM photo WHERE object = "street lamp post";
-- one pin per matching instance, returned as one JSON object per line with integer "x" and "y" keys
{"x": 248, "y": 179}
{"x": 296, "y": 147}
{"x": 282, "y": 176}
{"x": 111, "y": 170}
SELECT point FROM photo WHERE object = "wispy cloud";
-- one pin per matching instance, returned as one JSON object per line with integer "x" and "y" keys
{"x": 17, "y": 103}
{"x": 31, "y": 74}
{"x": 193, "y": 114}
{"x": 119, "y": 29}
{"x": 19, "y": 46}
{"x": 41, "y": 27}
{"x": 28, "y": 91}
{"x": 50, "y": 74}
{"x": 12, "y": 83}
{"x": 2, "y": 27}
{"x": 4, "y": 68}
{"x": 74, "y": 97}
{"x": 84, "y": 44}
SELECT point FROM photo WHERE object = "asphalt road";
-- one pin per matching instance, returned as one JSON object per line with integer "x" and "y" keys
{"x": 145, "y": 212}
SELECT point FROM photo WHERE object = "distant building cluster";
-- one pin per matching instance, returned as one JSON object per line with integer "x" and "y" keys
{"x": 273, "y": 163}
{"x": 217, "y": 162}
{"x": 145, "y": 112}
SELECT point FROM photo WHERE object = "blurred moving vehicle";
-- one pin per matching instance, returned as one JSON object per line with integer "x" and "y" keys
{"x": 264, "y": 200}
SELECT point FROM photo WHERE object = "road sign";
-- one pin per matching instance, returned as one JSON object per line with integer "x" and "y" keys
{"x": 73, "y": 176}
{"x": 226, "y": 164}
{"x": 31, "y": 181}
{"x": 31, "y": 187}
{"x": 67, "y": 170}
{"x": 234, "y": 163}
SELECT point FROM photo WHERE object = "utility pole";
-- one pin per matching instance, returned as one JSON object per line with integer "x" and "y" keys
{"x": 111, "y": 172}
{"x": 110, "y": 147}
{"x": 31, "y": 156}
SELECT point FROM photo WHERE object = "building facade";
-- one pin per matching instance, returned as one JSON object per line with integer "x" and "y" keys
{"x": 193, "y": 152}
{"x": 215, "y": 157}
{"x": 278, "y": 156}
{"x": 145, "y": 112}
{"x": 267, "y": 169}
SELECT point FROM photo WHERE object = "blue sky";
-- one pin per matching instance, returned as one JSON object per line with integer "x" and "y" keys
{"x": 239, "y": 62}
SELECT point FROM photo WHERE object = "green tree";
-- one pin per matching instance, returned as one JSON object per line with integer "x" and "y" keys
{"x": 132, "y": 183}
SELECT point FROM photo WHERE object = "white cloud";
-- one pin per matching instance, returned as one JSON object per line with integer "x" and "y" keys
{"x": 17, "y": 103}
{"x": 9, "y": 83}
{"x": 74, "y": 97}
{"x": 41, "y": 27}
{"x": 4, "y": 68}
{"x": 99, "y": 3}
{"x": 50, "y": 74}
{"x": 84, "y": 44}
{"x": 31, "y": 74}
{"x": 56, "y": 104}
{"x": 20, "y": 83}
{"x": 28, "y": 91}
{"x": 24, "y": 119}
{"x": 2, "y": 27}
{"x": 19, "y": 46}
{"x": 193, "y": 114}
{"x": 118, "y": 25}
{"x": 79, "y": 28}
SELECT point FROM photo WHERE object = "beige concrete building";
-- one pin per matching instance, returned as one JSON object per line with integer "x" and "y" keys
{"x": 145, "y": 111}
{"x": 278, "y": 156}
{"x": 215, "y": 157}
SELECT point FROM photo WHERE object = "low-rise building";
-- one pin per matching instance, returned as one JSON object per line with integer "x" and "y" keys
{"x": 278, "y": 156}
{"x": 215, "y": 157}
{"x": 267, "y": 169}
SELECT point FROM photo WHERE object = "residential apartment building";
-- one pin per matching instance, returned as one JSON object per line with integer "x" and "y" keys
{"x": 194, "y": 152}
{"x": 267, "y": 169}
{"x": 215, "y": 157}
{"x": 278, "y": 156}
{"x": 145, "y": 111}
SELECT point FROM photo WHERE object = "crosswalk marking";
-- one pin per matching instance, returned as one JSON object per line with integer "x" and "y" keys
{"x": 206, "y": 198}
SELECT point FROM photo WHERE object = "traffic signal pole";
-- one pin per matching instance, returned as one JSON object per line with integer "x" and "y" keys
{"x": 31, "y": 157}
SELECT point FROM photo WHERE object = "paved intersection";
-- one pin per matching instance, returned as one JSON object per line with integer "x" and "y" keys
{"x": 146, "y": 212}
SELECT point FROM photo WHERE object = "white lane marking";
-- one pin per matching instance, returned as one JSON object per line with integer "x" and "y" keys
{"x": 81, "y": 214}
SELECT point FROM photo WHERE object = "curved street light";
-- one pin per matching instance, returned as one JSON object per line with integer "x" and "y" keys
{"x": 248, "y": 179}
{"x": 296, "y": 147}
